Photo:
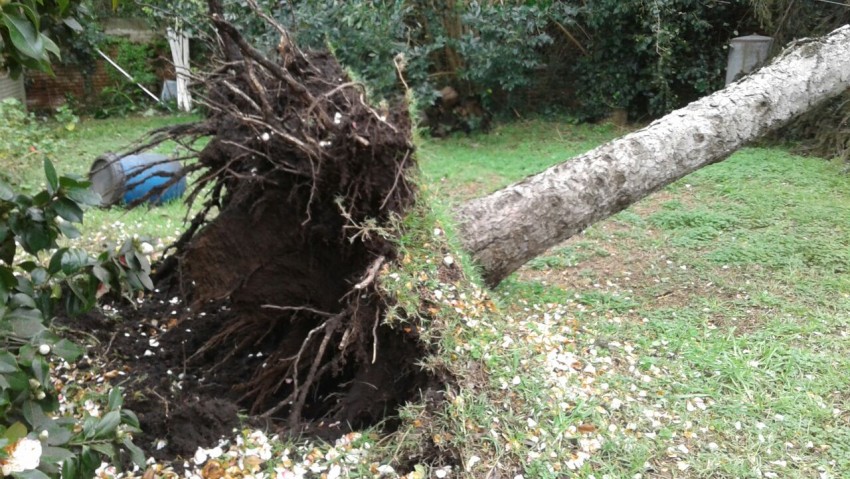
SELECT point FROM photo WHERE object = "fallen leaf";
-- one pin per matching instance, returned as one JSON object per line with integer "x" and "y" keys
{"x": 586, "y": 428}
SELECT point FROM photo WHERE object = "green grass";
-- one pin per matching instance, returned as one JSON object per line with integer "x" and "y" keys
{"x": 730, "y": 286}
{"x": 702, "y": 333}
{"x": 91, "y": 139}
{"x": 466, "y": 166}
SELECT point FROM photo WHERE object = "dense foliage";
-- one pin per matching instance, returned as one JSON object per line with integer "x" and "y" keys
{"x": 138, "y": 60}
{"x": 479, "y": 49}
{"x": 651, "y": 57}
{"x": 645, "y": 57}
{"x": 32, "y": 33}
{"x": 25, "y": 139}
{"x": 39, "y": 277}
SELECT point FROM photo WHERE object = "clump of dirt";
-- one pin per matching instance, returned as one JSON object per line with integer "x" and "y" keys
{"x": 283, "y": 316}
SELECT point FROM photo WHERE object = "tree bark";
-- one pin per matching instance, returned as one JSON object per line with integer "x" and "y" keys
{"x": 506, "y": 229}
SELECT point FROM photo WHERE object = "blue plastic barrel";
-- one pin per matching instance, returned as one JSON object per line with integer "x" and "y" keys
{"x": 132, "y": 177}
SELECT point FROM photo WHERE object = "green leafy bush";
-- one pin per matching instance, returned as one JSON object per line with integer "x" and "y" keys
{"x": 651, "y": 57}
{"x": 37, "y": 277}
{"x": 25, "y": 139}
{"x": 478, "y": 48}
{"x": 125, "y": 96}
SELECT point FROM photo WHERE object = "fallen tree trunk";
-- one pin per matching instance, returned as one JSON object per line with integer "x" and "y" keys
{"x": 511, "y": 226}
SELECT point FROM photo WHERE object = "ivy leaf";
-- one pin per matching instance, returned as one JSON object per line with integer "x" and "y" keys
{"x": 6, "y": 193}
{"x": 55, "y": 264}
{"x": 72, "y": 23}
{"x": 25, "y": 322}
{"x": 68, "y": 350}
{"x": 39, "y": 276}
{"x": 115, "y": 399}
{"x": 50, "y": 46}
{"x": 136, "y": 454}
{"x": 74, "y": 260}
{"x": 15, "y": 432}
{"x": 84, "y": 195}
{"x": 130, "y": 419}
{"x": 107, "y": 425}
{"x": 69, "y": 230}
{"x": 52, "y": 177}
{"x": 102, "y": 274}
{"x": 7, "y": 362}
{"x": 68, "y": 209}
{"x": 41, "y": 370}
{"x": 7, "y": 283}
{"x": 107, "y": 450}
{"x": 70, "y": 468}
{"x": 7, "y": 250}
{"x": 31, "y": 474}
{"x": 89, "y": 463}
{"x": 24, "y": 36}
{"x": 34, "y": 237}
{"x": 69, "y": 183}
{"x": 55, "y": 455}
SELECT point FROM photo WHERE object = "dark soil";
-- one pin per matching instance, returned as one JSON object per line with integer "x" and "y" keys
{"x": 191, "y": 402}
{"x": 278, "y": 312}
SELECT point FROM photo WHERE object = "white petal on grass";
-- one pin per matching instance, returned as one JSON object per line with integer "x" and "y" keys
{"x": 334, "y": 472}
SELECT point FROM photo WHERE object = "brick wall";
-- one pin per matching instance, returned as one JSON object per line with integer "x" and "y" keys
{"x": 45, "y": 92}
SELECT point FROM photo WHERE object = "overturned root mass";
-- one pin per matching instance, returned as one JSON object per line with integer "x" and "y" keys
{"x": 305, "y": 178}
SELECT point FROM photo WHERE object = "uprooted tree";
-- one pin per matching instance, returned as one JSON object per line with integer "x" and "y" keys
{"x": 509, "y": 227}
{"x": 302, "y": 181}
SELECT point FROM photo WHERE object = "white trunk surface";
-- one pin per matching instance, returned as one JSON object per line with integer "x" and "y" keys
{"x": 513, "y": 225}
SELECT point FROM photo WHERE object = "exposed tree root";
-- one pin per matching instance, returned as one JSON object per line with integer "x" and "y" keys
{"x": 303, "y": 179}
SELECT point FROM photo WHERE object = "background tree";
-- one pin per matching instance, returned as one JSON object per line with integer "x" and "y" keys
{"x": 26, "y": 28}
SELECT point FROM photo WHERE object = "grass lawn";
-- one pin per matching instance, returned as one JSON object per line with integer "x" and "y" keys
{"x": 702, "y": 333}
{"x": 91, "y": 139}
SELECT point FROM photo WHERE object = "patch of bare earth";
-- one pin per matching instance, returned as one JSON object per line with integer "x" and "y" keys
{"x": 634, "y": 261}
